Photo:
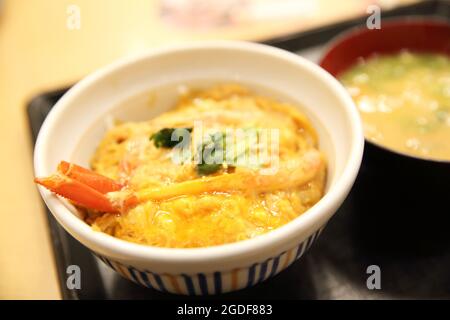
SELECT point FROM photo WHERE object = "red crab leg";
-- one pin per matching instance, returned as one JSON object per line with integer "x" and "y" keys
{"x": 88, "y": 177}
{"x": 82, "y": 186}
{"x": 78, "y": 192}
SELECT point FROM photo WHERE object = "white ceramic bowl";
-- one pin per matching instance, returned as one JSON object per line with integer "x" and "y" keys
{"x": 76, "y": 124}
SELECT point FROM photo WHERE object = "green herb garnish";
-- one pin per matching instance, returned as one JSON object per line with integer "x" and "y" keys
{"x": 212, "y": 154}
{"x": 204, "y": 169}
{"x": 170, "y": 137}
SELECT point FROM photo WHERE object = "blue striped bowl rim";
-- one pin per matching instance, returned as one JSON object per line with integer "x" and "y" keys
{"x": 214, "y": 282}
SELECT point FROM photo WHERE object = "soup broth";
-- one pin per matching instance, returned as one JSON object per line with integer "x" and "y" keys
{"x": 404, "y": 101}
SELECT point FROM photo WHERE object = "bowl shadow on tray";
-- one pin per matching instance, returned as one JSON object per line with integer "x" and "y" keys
{"x": 401, "y": 205}
{"x": 396, "y": 217}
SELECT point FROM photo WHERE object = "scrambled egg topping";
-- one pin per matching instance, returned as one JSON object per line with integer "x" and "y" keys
{"x": 128, "y": 154}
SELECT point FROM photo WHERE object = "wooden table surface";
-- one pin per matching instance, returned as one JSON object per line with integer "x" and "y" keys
{"x": 40, "y": 51}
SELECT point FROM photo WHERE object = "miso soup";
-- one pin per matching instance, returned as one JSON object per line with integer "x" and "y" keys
{"x": 404, "y": 101}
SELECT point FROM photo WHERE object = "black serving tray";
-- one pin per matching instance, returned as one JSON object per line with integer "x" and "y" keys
{"x": 413, "y": 255}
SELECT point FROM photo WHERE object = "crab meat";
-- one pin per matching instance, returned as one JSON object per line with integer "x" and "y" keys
{"x": 292, "y": 174}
